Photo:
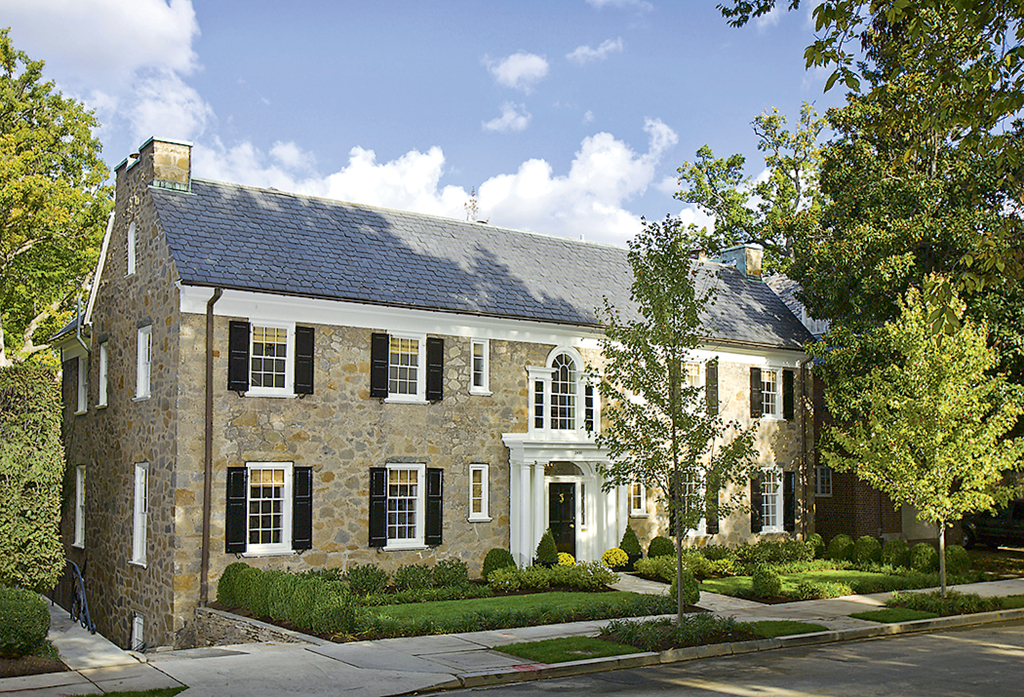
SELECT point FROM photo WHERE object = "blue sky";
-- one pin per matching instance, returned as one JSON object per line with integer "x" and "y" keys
{"x": 569, "y": 117}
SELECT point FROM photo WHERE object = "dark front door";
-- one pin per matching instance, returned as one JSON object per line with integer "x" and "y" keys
{"x": 562, "y": 516}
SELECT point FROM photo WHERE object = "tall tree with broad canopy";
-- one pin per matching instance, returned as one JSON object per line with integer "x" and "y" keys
{"x": 53, "y": 204}
{"x": 927, "y": 424}
{"x": 661, "y": 430}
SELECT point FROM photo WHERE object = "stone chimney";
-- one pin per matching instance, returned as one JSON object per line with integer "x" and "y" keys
{"x": 162, "y": 162}
{"x": 745, "y": 257}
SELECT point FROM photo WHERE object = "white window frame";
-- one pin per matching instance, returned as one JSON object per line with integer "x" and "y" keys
{"x": 542, "y": 400}
{"x": 776, "y": 412}
{"x": 421, "y": 370}
{"x": 130, "y": 251}
{"x": 140, "y": 514}
{"x": 822, "y": 481}
{"x": 484, "y": 388}
{"x": 483, "y": 515}
{"x": 289, "y": 360}
{"x": 285, "y": 545}
{"x": 144, "y": 362}
{"x": 638, "y": 500}
{"x": 79, "y": 507}
{"x": 416, "y": 542}
{"x": 82, "y": 388}
{"x": 104, "y": 376}
{"x": 138, "y": 637}
{"x": 776, "y": 473}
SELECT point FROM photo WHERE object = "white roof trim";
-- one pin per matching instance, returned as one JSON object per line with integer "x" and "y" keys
{"x": 99, "y": 271}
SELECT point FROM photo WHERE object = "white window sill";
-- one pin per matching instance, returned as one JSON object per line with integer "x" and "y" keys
{"x": 405, "y": 400}
{"x": 772, "y": 417}
{"x": 771, "y": 531}
{"x": 278, "y": 395}
{"x": 101, "y": 406}
{"x": 479, "y": 519}
{"x": 480, "y": 393}
{"x": 270, "y": 553}
{"x": 639, "y": 514}
{"x": 139, "y": 564}
{"x": 823, "y": 496}
{"x": 79, "y": 413}
{"x": 140, "y": 398}
{"x": 405, "y": 548}
{"x": 78, "y": 545}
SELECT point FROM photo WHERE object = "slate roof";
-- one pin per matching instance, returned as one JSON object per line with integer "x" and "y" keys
{"x": 245, "y": 238}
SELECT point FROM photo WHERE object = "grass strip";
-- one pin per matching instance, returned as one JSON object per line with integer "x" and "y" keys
{"x": 894, "y": 614}
{"x": 514, "y": 603}
{"x": 573, "y": 648}
{"x": 769, "y": 629}
{"x": 1013, "y": 602}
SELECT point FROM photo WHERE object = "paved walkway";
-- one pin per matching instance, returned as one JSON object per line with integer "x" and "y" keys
{"x": 371, "y": 669}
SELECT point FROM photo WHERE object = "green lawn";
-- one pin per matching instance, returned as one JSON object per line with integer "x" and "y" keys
{"x": 741, "y": 585}
{"x": 1012, "y": 602}
{"x": 769, "y": 629}
{"x": 512, "y": 603}
{"x": 573, "y": 648}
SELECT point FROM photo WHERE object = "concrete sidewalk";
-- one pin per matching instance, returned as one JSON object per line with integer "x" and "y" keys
{"x": 397, "y": 666}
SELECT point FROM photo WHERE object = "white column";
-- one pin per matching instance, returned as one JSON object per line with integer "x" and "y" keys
{"x": 540, "y": 503}
{"x": 515, "y": 509}
{"x": 612, "y": 525}
{"x": 526, "y": 520}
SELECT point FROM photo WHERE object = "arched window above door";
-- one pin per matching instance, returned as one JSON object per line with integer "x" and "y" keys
{"x": 562, "y": 397}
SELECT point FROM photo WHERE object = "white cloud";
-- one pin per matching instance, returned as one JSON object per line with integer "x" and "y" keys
{"x": 291, "y": 156}
{"x": 585, "y": 54}
{"x": 642, "y": 5}
{"x": 163, "y": 105}
{"x": 514, "y": 118}
{"x": 519, "y": 71}
{"x": 588, "y": 117}
{"x": 770, "y": 19}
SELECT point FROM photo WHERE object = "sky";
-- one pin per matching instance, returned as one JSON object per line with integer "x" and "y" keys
{"x": 567, "y": 117}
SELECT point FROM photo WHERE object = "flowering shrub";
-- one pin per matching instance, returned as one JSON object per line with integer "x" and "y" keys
{"x": 566, "y": 559}
{"x": 614, "y": 558}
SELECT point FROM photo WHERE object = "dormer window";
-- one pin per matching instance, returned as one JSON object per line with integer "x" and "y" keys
{"x": 564, "y": 399}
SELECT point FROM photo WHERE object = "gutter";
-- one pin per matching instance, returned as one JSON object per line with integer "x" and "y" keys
{"x": 204, "y": 572}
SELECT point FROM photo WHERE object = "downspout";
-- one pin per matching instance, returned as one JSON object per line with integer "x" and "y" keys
{"x": 204, "y": 573}
{"x": 78, "y": 324}
{"x": 808, "y": 490}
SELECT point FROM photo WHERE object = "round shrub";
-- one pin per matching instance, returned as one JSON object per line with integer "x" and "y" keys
{"x": 924, "y": 558}
{"x": 305, "y": 594}
{"x": 840, "y": 548}
{"x": 259, "y": 597}
{"x": 497, "y": 558}
{"x": 566, "y": 559}
{"x": 867, "y": 549}
{"x": 896, "y": 553}
{"x": 247, "y": 586}
{"x": 614, "y": 558}
{"x": 227, "y": 585}
{"x": 24, "y": 622}
{"x": 451, "y": 573}
{"x": 660, "y": 547}
{"x": 691, "y": 589}
{"x": 957, "y": 559}
{"x": 817, "y": 542}
{"x": 366, "y": 579}
{"x": 767, "y": 582}
{"x": 547, "y": 553}
{"x": 333, "y": 615}
{"x": 717, "y": 552}
{"x": 413, "y": 577}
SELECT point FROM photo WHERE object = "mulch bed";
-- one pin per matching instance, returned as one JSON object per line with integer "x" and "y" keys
{"x": 29, "y": 665}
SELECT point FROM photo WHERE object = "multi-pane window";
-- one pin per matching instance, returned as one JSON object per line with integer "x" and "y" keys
{"x": 79, "y": 506}
{"x": 138, "y": 637}
{"x": 101, "y": 394}
{"x": 770, "y": 392}
{"x": 404, "y": 366}
{"x": 141, "y": 513}
{"x": 267, "y": 502}
{"x": 538, "y": 404}
{"x": 563, "y": 393}
{"x": 405, "y": 505}
{"x": 771, "y": 501}
{"x": 822, "y": 480}
{"x": 144, "y": 362}
{"x": 637, "y": 499}
{"x": 691, "y": 374}
{"x": 83, "y": 386}
{"x": 588, "y": 407}
{"x": 478, "y": 492}
{"x": 480, "y": 371}
{"x": 268, "y": 357}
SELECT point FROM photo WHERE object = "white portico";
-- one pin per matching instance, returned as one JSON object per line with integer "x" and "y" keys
{"x": 555, "y": 478}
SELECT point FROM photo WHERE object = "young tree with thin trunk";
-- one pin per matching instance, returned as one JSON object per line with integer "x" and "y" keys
{"x": 662, "y": 430}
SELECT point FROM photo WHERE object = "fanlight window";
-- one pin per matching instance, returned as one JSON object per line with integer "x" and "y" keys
{"x": 563, "y": 393}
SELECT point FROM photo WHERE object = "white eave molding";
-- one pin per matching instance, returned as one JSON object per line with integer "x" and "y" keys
{"x": 93, "y": 290}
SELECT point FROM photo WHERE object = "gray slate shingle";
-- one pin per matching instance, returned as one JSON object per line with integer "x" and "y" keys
{"x": 264, "y": 240}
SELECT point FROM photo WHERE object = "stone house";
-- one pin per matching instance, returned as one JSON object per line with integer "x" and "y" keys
{"x": 303, "y": 383}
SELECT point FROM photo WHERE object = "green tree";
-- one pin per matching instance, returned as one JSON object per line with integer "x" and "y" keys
{"x": 53, "y": 204}
{"x": 766, "y": 212}
{"x": 927, "y": 424}
{"x": 660, "y": 430}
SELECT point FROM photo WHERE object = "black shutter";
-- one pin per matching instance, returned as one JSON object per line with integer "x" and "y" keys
{"x": 435, "y": 369}
{"x": 756, "y": 504}
{"x": 302, "y": 508}
{"x": 304, "y": 360}
{"x": 378, "y": 506}
{"x": 235, "y": 527}
{"x": 787, "y": 395}
{"x": 789, "y": 501}
{"x": 435, "y": 506}
{"x": 711, "y": 506}
{"x": 238, "y": 357}
{"x": 711, "y": 387}
{"x": 380, "y": 347}
{"x": 756, "y": 401}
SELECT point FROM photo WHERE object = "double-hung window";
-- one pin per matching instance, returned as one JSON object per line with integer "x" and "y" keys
{"x": 101, "y": 392}
{"x": 405, "y": 373}
{"x": 141, "y": 513}
{"x": 478, "y": 504}
{"x": 82, "y": 392}
{"x": 479, "y": 378}
{"x": 637, "y": 500}
{"x": 770, "y": 392}
{"x": 79, "y": 506}
{"x": 771, "y": 500}
{"x": 270, "y": 359}
{"x": 406, "y": 368}
{"x": 269, "y": 508}
{"x": 406, "y": 506}
{"x": 822, "y": 480}
{"x": 144, "y": 362}
{"x": 129, "y": 249}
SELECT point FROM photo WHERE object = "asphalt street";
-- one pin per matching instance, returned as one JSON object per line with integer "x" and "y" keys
{"x": 986, "y": 661}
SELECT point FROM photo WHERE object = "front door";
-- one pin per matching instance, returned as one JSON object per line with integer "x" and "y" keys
{"x": 562, "y": 515}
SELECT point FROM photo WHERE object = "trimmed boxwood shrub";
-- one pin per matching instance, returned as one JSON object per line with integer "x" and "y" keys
{"x": 246, "y": 583}
{"x": 867, "y": 549}
{"x": 924, "y": 558}
{"x": 333, "y": 615}
{"x": 583, "y": 576}
{"x": 774, "y": 552}
{"x": 767, "y": 582}
{"x": 815, "y": 590}
{"x": 547, "y": 552}
{"x": 413, "y": 577}
{"x": 227, "y": 585}
{"x": 451, "y": 573}
{"x": 305, "y": 594}
{"x": 366, "y": 579}
{"x": 957, "y": 559}
{"x": 896, "y": 553}
{"x": 631, "y": 546}
{"x": 24, "y": 622}
{"x": 660, "y": 547}
{"x": 717, "y": 552}
{"x": 691, "y": 589}
{"x": 279, "y": 596}
{"x": 840, "y": 548}
{"x": 817, "y": 542}
{"x": 497, "y": 558}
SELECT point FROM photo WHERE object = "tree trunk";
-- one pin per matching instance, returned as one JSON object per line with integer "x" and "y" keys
{"x": 942, "y": 556}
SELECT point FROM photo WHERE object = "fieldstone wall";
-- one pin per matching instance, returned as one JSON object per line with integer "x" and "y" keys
{"x": 219, "y": 628}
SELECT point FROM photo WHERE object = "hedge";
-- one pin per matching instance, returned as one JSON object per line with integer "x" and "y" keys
{"x": 24, "y": 622}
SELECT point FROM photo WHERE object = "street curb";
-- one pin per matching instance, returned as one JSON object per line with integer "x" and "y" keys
{"x": 530, "y": 672}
